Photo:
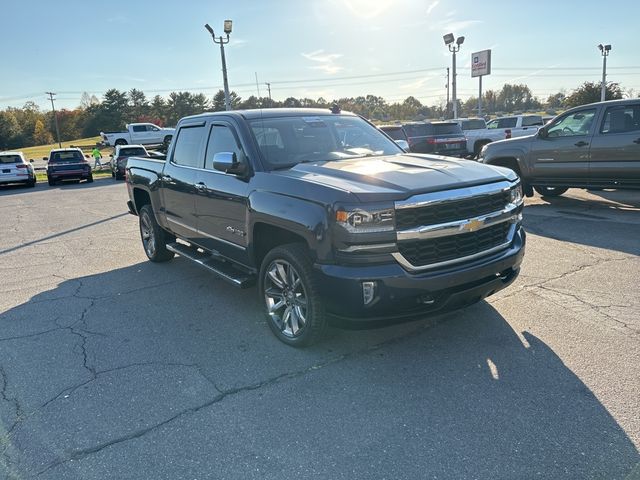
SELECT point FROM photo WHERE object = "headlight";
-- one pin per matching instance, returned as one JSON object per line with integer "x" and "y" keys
{"x": 370, "y": 220}
{"x": 516, "y": 194}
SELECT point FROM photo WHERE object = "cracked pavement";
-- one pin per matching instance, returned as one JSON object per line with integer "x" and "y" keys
{"x": 114, "y": 367}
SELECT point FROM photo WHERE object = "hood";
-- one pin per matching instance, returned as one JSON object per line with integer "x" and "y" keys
{"x": 511, "y": 142}
{"x": 396, "y": 177}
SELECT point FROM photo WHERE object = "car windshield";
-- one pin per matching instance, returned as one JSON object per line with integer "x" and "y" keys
{"x": 287, "y": 141}
{"x": 450, "y": 128}
{"x": 10, "y": 159}
{"x": 475, "y": 124}
{"x": 130, "y": 152}
{"x": 66, "y": 157}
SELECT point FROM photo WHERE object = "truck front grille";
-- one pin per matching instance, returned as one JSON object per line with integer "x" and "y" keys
{"x": 442, "y": 212}
{"x": 443, "y": 249}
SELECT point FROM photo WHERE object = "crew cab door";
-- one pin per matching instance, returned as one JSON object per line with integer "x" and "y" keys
{"x": 179, "y": 178}
{"x": 138, "y": 134}
{"x": 222, "y": 199}
{"x": 615, "y": 148}
{"x": 562, "y": 155}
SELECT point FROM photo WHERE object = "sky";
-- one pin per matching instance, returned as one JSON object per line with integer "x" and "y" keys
{"x": 309, "y": 48}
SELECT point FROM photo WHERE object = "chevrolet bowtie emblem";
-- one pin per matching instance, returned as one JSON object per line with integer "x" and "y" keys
{"x": 475, "y": 225}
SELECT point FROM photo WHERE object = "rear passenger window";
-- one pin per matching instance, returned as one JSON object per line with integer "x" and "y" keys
{"x": 221, "y": 139}
{"x": 187, "y": 149}
{"x": 139, "y": 128}
{"x": 531, "y": 121}
{"x": 621, "y": 119}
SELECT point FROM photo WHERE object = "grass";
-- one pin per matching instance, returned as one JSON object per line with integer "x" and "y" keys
{"x": 87, "y": 144}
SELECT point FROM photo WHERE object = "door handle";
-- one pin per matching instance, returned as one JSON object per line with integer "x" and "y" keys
{"x": 166, "y": 178}
{"x": 581, "y": 143}
{"x": 200, "y": 186}
{"x": 637, "y": 140}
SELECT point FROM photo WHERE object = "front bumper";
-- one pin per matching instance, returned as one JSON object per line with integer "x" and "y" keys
{"x": 400, "y": 295}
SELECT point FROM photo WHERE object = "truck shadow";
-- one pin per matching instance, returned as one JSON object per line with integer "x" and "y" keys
{"x": 610, "y": 221}
{"x": 459, "y": 396}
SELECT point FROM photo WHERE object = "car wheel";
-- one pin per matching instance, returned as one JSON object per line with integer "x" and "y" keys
{"x": 288, "y": 287}
{"x": 166, "y": 142}
{"x": 154, "y": 238}
{"x": 90, "y": 179}
{"x": 31, "y": 183}
{"x": 113, "y": 175}
{"x": 550, "y": 191}
{"x": 51, "y": 181}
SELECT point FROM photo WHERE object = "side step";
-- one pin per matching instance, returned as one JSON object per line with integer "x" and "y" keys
{"x": 219, "y": 267}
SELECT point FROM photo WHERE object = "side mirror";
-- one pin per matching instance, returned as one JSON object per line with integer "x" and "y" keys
{"x": 45, "y": 158}
{"x": 86, "y": 156}
{"x": 227, "y": 162}
{"x": 403, "y": 144}
{"x": 542, "y": 133}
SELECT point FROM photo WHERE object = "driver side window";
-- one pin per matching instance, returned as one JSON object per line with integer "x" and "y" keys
{"x": 576, "y": 124}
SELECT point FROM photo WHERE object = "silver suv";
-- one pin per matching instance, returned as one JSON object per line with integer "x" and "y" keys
{"x": 15, "y": 169}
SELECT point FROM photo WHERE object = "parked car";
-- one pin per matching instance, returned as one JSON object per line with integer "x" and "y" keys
{"x": 442, "y": 137}
{"x": 15, "y": 169}
{"x": 516, "y": 125}
{"x": 120, "y": 156}
{"x": 139, "y": 134}
{"x": 591, "y": 146}
{"x": 67, "y": 164}
{"x": 477, "y": 134}
{"x": 355, "y": 230}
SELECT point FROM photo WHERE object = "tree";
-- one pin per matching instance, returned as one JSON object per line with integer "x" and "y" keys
{"x": 138, "y": 105}
{"x": 218, "y": 101}
{"x": 556, "y": 100}
{"x": 87, "y": 100}
{"x": 41, "y": 136}
{"x": 516, "y": 97}
{"x": 589, "y": 92}
{"x": 10, "y": 131}
{"x": 158, "y": 108}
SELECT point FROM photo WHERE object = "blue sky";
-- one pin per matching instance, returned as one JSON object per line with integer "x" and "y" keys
{"x": 309, "y": 48}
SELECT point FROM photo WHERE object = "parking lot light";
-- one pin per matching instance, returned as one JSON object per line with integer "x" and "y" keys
{"x": 449, "y": 42}
{"x": 604, "y": 50}
{"x": 221, "y": 40}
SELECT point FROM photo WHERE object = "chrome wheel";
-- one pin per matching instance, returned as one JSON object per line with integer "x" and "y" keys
{"x": 148, "y": 238}
{"x": 286, "y": 298}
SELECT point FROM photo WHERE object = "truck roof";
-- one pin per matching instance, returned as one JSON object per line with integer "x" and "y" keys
{"x": 271, "y": 112}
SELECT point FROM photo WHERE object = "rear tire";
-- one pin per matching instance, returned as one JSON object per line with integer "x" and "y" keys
{"x": 51, "y": 181}
{"x": 31, "y": 183}
{"x": 166, "y": 142}
{"x": 154, "y": 238}
{"x": 550, "y": 191}
{"x": 477, "y": 147}
{"x": 90, "y": 179}
{"x": 292, "y": 303}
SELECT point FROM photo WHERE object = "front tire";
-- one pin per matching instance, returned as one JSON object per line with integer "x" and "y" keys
{"x": 550, "y": 191}
{"x": 154, "y": 238}
{"x": 292, "y": 302}
{"x": 90, "y": 179}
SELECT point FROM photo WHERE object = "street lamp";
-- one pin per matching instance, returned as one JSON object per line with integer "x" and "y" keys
{"x": 221, "y": 40}
{"x": 449, "y": 40}
{"x": 604, "y": 50}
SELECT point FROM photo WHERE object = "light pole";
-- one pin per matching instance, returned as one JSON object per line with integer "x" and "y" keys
{"x": 222, "y": 41}
{"x": 55, "y": 117}
{"x": 604, "y": 50}
{"x": 449, "y": 40}
{"x": 269, "y": 88}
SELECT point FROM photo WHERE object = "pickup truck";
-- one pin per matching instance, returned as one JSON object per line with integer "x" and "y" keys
{"x": 592, "y": 146}
{"x": 516, "y": 125}
{"x": 477, "y": 134}
{"x": 329, "y": 217}
{"x": 140, "y": 134}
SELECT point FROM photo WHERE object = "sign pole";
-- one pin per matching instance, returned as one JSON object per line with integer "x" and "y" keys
{"x": 480, "y": 97}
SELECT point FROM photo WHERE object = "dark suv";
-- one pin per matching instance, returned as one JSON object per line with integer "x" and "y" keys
{"x": 67, "y": 164}
{"x": 444, "y": 138}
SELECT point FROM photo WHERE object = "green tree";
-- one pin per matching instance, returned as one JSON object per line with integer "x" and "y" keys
{"x": 138, "y": 105}
{"x": 589, "y": 92}
{"x": 41, "y": 136}
{"x": 218, "y": 104}
{"x": 556, "y": 100}
{"x": 10, "y": 131}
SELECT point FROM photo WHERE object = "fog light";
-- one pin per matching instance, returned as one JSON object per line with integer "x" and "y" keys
{"x": 368, "y": 292}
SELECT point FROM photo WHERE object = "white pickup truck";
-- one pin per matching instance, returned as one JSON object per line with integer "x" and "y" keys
{"x": 140, "y": 134}
{"x": 477, "y": 134}
{"x": 516, "y": 125}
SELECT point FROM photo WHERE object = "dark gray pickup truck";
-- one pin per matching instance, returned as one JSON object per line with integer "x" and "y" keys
{"x": 329, "y": 217}
{"x": 592, "y": 146}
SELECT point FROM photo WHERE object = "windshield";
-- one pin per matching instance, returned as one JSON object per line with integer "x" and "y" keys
{"x": 10, "y": 159}
{"x": 131, "y": 152}
{"x": 72, "y": 156}
{"x": 287, "y": 141}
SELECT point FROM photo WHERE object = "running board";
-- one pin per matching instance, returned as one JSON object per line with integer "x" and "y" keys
{"x": 219, "y": 267}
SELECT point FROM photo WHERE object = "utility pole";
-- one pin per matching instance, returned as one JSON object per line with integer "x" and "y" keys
{"x": 447, "y": 115}
{"x": 55, "y": 117}
{"x": 604, "y": 50}
{"x": 269, "y": 88}
{"x": 222, "y": 42}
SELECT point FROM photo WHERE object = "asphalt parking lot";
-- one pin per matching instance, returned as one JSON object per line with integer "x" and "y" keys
{"x": 114, "y": 367}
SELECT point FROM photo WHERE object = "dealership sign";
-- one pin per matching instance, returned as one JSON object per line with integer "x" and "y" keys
{"x": 481, "y": 63}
